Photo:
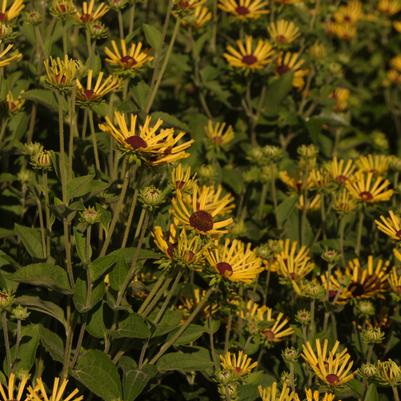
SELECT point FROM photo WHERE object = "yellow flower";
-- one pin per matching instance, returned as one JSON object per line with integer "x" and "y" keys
{"x": 62, "y": 8}
{"x": 397, "y": 26}
{"x": 318, "y": 51}
{"x": 310, "y": 204}
{"x": 291, "y": 263}
{"x": 278, "y": 330}
{"x": 341, "y": 30}
{"x": 14, "y": 56}
{"x": 389, "y": 7}
{"x": 283, "y": 32}
{"x": 14, "y": 105}
{"x": 234, "y": 261}
{"x": 340, "y": 170}
{"x": 391, "y": 226}
{"x": 272, "y": 393}
{"x": 376, "y": 164}
{"x": 200, "y": 17}
{"x": 367, "y": 188}
{"x": 95, "y": 94}
{"x": 153, "y": 144}
{"x": 394, "y": 280}
{"x": 219, "y": 133}
{"x": 12, "y": 12}
{"x": 315, "y": 396}
{"x": 388, "y": 373}
{"x": 11, "y": 392}
{"x": 187, "y": 5}
{"x": 341, "y": 96}
{"x": 181, "y": 178}
{"x": 336, "y": 287}
{"x": 88, "y": 14}
{"x": 350, "y": 13}
{"x": 343, "y": 202}
{"x": 332, "y": 367}
{"x": 131, "y": 59}
{"x": 200, "y": 210}
{"x": 244, "y": 9}
{"x": 61, "y": 73}
{"x": 188, "y": 304}
{"x": 287, "y": 62}
{"x": 58, "y": 389}
{"x": 247, "y": 56}
{"x": 239, "y": 364}
{"x": 297, "y": 181}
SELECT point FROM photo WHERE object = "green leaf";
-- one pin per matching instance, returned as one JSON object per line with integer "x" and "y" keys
{"x": 42, "y": 96}
{"x": 234, "y": 180}
{"x": 153, "y": 36}
{"x": 45, "y": 275}
{"x": 134, "y": 381}
{"x": 52, "y": 343}
{"x": 191, "y": 333}
{"x": 96, "y": 371}
{"x": 80, "y": 246}
{"x": 285, "y": 208}
{"x": 79, "y": 297}
{"x": 170, "y": 321}
{"x": 79, "y": 186}
{"x": 141, "y": 93}
{"x": 198, "y": 359}
{"x": 372, "y": 394}
{"x": 27, "y": 349}
{"x": 170, "y": 120}
{"x": 277, "y": 92}
{"x": 30, "y": 238}
{"x": 134, "y": 326}
{"x": 96, "y": 326}
{"x": 118, "y": 274}
{"x": 47, "y": 307}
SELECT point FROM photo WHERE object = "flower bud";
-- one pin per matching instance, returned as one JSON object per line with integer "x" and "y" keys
{"x": 367, "y": 370}
{"x": 151, "y": 196}
{"x": 366, "y": 308}
{"x": 6, "y": 299}
{"x": 330, "y": 255}
{"x": 303, "y": 317}
{"x": 90, "y": 215}
{"x": 290, "y": 354}
{"x": 288, "y": 379}
{"x": 273, "y": 153}
{"x": 373, "y": 335}
{"x": 42, "y": 160}
{"x": 20, "y": 312}
{"x": 388, "y": 373}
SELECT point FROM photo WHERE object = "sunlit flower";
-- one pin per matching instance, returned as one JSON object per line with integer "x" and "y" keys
{"x": 238, "y": 364}
{"x": 7, "y": 60}
{"x": 343, "y": 202}
{"x": 13, "y": 391}
{"x": 388, "y": 373}
{"x": 341, "y": 97}
{"x": 391, "y": 226}
{"x": 127, "y": 60}
{"x": 14, "y": 104}
{"x": 249, "y": 56}
{"x": 368, "y": 188}
{"x": 62, "y": 8}
{"x": 188, "y": 304}
{"x": 272, "y": 393}
{"x": 153, "y": 144}
{"x": 332, "y": 367}
{"x": 244, "y": 9}
{"x": 61, "y": 73}
{"x": 314, "y": 395}
{"x": 283, "y": 32}
{"x": 376, "y": 164}
{"x": 297, "y": 181}
{"x": 93, "y": 94}
{"x": 200, "y": 17}
{"x": 39, "y": 393}
{"x": 234, "y": 261}
{"x": 340, "y": 170}
{"x": 287, "y": 62}
{"x": 187, "y": 5}
{"x": 350, "y": 13}
{"x": 220, "y": 134}
{"x": 389, "y": 7}
{"x": 311, "y": 204}
{"x": 394, "y": 281}
{"x": 181, "y": 178}
{"x": 88, "y": 14}
{"x": 12, "y": 12}
{"x": 202, "y": 210}
{"x": 342, "y": 30}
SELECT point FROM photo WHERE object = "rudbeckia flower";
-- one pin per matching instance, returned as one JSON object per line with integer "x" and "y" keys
{"x": 341, "y": 97}
{"x": 391, "y": 226}
{"x": 249, "y": 56}
{"x": 12, "y": 12}
{"x": 181, "y": 178}
{"x": 340, "y": 170}
{"x": 244, "y": 9}
{"x": 14, "y": 104}
{"x": 389, "y": 7}
{"x": 394, "y": 281}
{"x": 316, "y": 396}
{"x": 272, "y": 393}
{"x": 61, "y": 73}
{"x": 12, "y": 390}
{"x": 220, "y": 134}
{"x": 283, "y": 32}
{"x": 343, "y": 202}
{"x": 188, "y": 304}
{"x": 88, "y": 14}
{"x": 200, "y": 17}
{"x": 376, "y": 164}
{"x": 7, "y": 60}
{"x": 332, "y": 367}
{"x": 153, "y": 144}
{"x": 39, "y": 393}
{"x": 238, "y": 364}
{"x": 287, "y": 62}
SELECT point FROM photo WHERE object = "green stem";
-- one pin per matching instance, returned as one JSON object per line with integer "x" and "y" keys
{"x": 130, "y": 217}
{"x": 178, "y": 334}
{"x": 341, "y": 235}
{"x": 213, "y": 39}
{"x": 67, "y": 247}
{"x": 47, "y": 213}
{"x": 94, "y": 141}
{"x": 359, "y": 232}
{"x": 89, "y": 47}
{"x": 17, "y": 342}
{"x": 312, "y": 326}
{"x": 262, "y": 201}
{"x": 131, "y": 18}
{"x": 212, "y": 348}
{"x": 370, "y": 352}
{"x": 395, "y": 393}
{"x": 160, "y": 75}
{"x": 148, "y": 310}
{"x": 120, "y": 24}
{"x": 274, "y": 198}
{"x": 79, "y": 342}
{"x": 6, "y": 339}
{"x": 152, "y": 293}
{"x": 62, "y": 167}
{"x": 73, "y": 130}
{"x": 228, "y": 332}
{"x": 42, "y": 226}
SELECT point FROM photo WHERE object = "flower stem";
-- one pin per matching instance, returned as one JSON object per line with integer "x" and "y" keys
{"x": 152, "y": 293}
{"x": 147, "y": 311}
{"x": 395, "y": 393}
{"x": 62, "y": 167}
{"x": 47, "y": 212}
{"x": 6, "y": 338}
{"x": 341, "y": 230}
{"x": 359, "y": 233}
{"x": 94, "y": 141}
{"x": 131, "y": 18}
{"x": 130, "y": 217}
{"x": 228, "y": 332}
{"x": 120, "y": 24}
{"x": 262, "y": 201}
{"x": 42, "y": 226}
{"x": 17, "y": 342}
{"x": 159, "y": 77}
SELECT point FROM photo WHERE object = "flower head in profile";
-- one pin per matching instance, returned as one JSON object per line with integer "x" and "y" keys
{"x": 204, "y": 210}
{"x": 188, "y": 304}
{"x": 88, "y": 13}
{"x": 314, "y": 395}
{"x": 14, "y": 105}
{"x": 292, "y": 62}
{"x": 181, "y": 178}
{"x": 389, "y": 7}
{"x": 61, "y": 73}
{"x": 249, "y": 57}
{"x": 127, "y": 60}
{"x": 12, "y": 12}
{"x": 368, "y": 188}
{"x": 283, "y": 32}
{"x": 58, "y": 392}
{"x": 199, "y": 18}
{"x": 340, "y": 170}
{"x": 62, "y": 8}
{"x": 272, "y": 393}
{"x": 238, "y": 364}
{"x": 341, "y": 97}
{"x": 394, "y": 281}
{"x": 150, "y": 142}
{"x": 234, "y": 261}
{"x": 332, "y": 367}
{"x": 388, "y": 373}
{"x": 15, "y": 388}
{"x": 244, "y": 9}
{"x": 343, "y": 202}
{"x": 95, "y": 93}
{"x": 219, "y": 134}
{"x": 391, "y": 225}
{"x": 297, "y": 181}
{"x": 7, "y": 58}
{"x": 375, "y": 164}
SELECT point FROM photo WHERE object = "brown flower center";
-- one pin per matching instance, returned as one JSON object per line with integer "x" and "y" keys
{"x": 2, "y": 16}
{"x": 398, "y": 288}
{"x": 170, "y": 250}
{"x": 136, "y": 142}
{"x": 62, "y": 7}
{"x": 189, "y": 256}
{"x": 282, "y": 69}
{"x": 89, "y": 93}
{"x": 357, "y": 289}
{"x": 201, "y": 220}
{"x": 184, "y": 4}
{"x": 242, "y": 10}
{"x": 269, "y": 334}
{"x": 366, "y": 196}
{"x": 332, "y": 379}
{"x": 398, "y": 234}
{"x": 249, "y": 59}
{"x": 224, "y": 269}
{"x": 128, "y": 60}
{"x": 281, "y": 39}
{"x": 341, "y": 179}
{"x": 332, "y": 294}
{"x": 86, "y": 17}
